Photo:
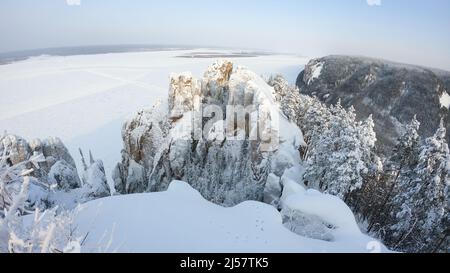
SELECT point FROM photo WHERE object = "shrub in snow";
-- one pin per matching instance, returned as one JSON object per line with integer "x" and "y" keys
{"x": 47, "y": 232}
{"x": 11, "y": 180}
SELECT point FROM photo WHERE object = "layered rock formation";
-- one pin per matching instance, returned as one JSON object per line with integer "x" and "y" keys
{"x": 54, "y": 178}
{"x": 58, "y": 167}
{"x": 196, "y": 137}
{"x": 392, "y": 93}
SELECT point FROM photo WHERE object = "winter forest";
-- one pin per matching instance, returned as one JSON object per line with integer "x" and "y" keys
{"x": 224, "y": 127}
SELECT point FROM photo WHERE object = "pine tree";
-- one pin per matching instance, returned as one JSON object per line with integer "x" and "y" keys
{"x": 398, "y": 168}
{"x": 287, "y": 96}
{"x": 406, "y": 151}
{"x": 342, "y": 155}
{"x": 423, "y": 199}
{"x": 310, "y": 115}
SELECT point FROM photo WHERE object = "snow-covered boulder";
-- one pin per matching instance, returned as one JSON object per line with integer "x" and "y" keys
{"x": 54, "y": 152}
{"x": 194, "y": 137}
{"x": 312, "y": 214}
{"x": 64, "y": 176}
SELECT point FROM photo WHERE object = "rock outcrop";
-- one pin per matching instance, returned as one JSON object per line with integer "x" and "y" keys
{"x": 392, "y": 93}
{"x": 58, "y": 167}
{"x": 54, "y": 178}
{"x": 220, "y": 134}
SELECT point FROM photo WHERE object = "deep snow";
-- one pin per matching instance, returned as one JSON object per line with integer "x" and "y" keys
{"x": 180, "y": 220}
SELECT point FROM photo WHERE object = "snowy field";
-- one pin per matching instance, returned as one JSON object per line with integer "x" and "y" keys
{"x": 85, "y": 99}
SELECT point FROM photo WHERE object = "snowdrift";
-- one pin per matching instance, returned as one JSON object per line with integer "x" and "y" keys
{"x": 181, "y": 220}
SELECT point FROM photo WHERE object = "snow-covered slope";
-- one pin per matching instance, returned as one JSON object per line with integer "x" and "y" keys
{"x": 180, "y": 220}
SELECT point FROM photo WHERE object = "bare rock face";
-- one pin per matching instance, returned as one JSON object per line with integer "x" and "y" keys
{"x": 58, "y": 167}
{"x": 184, "y": 88}
{"x": 215, "y": 82}
{"x": 196, "y": 137}
{"x": 143, "y": 137}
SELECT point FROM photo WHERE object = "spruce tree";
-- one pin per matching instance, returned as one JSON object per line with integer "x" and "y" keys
{"x": 423, "y": 199}
{"x": 342, "y": 155}
{"x": 398, "y": 168}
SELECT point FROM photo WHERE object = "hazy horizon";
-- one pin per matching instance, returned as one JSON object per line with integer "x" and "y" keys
{"x": 407, "y": 31}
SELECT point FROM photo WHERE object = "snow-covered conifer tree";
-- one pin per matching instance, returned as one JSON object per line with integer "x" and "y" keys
{"x": 399, "y": 169}
{"x": 423, "y": 199}
{"x": 342, "y": 154}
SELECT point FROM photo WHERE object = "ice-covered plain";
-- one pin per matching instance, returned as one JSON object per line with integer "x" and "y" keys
{"x": 84, "y": 99}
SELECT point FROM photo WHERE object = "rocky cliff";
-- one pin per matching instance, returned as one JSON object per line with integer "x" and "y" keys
{"x": 220, "y": 133}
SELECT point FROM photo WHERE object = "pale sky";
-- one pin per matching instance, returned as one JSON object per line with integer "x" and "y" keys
{"x": 411, "y": 31}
